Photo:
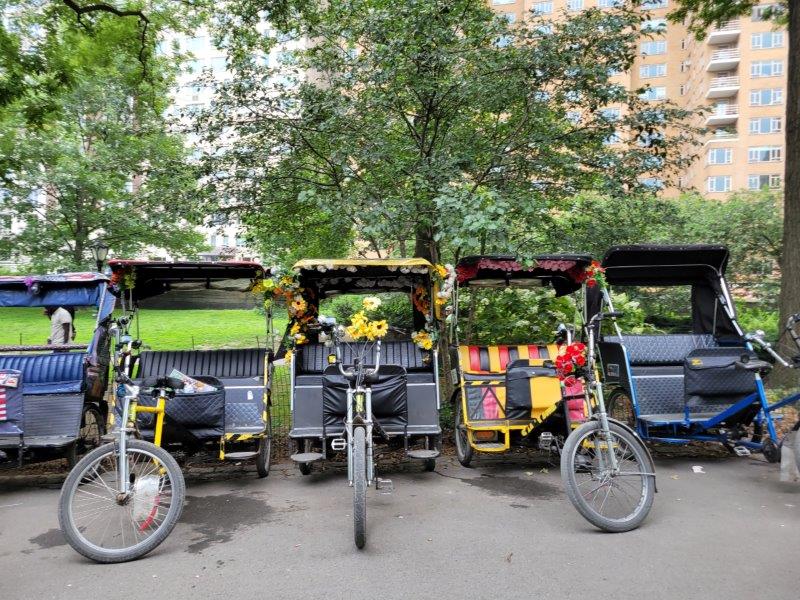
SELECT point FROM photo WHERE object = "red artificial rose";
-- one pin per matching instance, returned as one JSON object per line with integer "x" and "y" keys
{"x": 570, "y": 381}
{"x": 568, "y": 368}
{"x": 580, "y": 360}
{"x": 595, "y": 263}
{"x": 579, "y": 347}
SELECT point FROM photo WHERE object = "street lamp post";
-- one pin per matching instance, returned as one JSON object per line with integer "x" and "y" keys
{"x": 100, "y": 253}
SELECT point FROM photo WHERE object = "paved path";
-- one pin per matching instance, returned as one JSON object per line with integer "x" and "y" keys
{"x": 501, "y": 530}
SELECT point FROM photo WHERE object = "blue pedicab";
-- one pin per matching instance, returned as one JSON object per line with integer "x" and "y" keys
{"x": 61, "y": 389}
{"x": 705, "y": 385}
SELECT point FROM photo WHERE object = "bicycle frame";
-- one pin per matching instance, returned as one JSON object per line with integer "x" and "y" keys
{"x": 359, "y": 402}
{"x": 130, "y": 409}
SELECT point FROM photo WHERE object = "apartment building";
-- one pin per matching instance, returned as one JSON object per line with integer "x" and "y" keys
{"x": 738, "y": 72}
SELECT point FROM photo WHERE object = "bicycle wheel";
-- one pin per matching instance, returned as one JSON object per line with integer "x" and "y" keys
{"x": 360, "y": 486}
{"x": 611, "y": 501}
{"x": 464, "y": 452}
{"x": 106, "y": 527}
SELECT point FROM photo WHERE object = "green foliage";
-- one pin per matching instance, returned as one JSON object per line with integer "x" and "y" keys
{"x": 753, "y": 318}
{"x": 750, "y": 224}
{"x": 395, "y": 308}
{"x": 100, "y": 161}
{"x": 421, "y": 126}
{"x": 512, "y": 316}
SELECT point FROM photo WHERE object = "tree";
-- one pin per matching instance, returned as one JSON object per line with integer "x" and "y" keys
{"x": 701, "y": 15}
{"x": 424, "y": 122}
{"x": 101, "y": 165}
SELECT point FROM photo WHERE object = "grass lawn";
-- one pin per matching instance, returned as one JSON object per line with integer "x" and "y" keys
{"x": 160, "y": 329}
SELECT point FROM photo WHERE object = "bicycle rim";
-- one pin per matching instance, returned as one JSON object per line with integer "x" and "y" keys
{"x": 106, "y": 525}
{"x": 617, "y": 498}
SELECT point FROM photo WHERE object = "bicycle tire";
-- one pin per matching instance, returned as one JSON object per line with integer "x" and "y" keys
{"x": 464, "y": 452}
{"x": 571, "y": 465}
{"x": 73, "y": 533}
{"x": 264, "y": 454}
{"x": 360, "y": 487}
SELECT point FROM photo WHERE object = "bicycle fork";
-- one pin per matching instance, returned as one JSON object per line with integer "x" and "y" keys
{"x": 361, "y": 399}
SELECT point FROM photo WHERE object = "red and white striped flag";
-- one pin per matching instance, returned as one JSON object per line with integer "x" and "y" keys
{"x": 3, "y": 415}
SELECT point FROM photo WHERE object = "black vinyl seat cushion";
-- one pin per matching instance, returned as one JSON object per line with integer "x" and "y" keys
{"x": 389, "y": 397}
{"x": 313, "y": 358}
{"x": 665, "y": 349}
{"x": 224, "y": 364}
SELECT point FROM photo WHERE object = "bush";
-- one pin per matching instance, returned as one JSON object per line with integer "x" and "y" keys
{"x": 395, "y": 308}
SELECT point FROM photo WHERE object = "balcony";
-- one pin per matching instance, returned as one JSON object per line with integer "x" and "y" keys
{"x": 723, "y": 60}
{"x": 724, "y": 114}
{"x": 723, "y": 87}
{"x": 725, "y": 33}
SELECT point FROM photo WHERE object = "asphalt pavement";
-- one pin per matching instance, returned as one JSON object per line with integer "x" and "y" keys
{"x": 503, "y": 529}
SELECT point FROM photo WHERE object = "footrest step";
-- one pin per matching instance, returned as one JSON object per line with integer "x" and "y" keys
{"x": 307, "y": 457}
{"x": 423, "y": 454}
{"x": 490, "y": 445}
{"x": 239, "y": 455}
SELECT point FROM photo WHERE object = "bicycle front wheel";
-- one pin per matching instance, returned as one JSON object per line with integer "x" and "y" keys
{"x": 109, "y": 527}
{"x": 613, "y": 500}
{"x": 360, "y": 486}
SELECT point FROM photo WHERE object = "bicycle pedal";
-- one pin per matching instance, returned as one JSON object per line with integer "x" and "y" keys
{"x": 545, "y": 440}
{"x": 741, "y": 451}
{"x": 384, "y": 486}
{"x": 338, "y": 444}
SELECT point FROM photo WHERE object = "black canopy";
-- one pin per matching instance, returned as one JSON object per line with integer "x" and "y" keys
{"x": 701, "y": 266}
{"x": 189, "y": 284}
{"x": 648, "y": 264}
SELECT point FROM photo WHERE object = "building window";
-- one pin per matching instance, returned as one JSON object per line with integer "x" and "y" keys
{"x": 499, "y": 2}
{"x": 195, "y": 44}
{"x": 766, "y": 97}
{"x": 608, "y": 3}
{"x": 542, "y": 8}
{"x": 653, "y": 183}
{"x": 654, "y": 4}
{"x": 655, "y": 25}
{"x": 610, "y": 114}
{"x": 654, "y": 47}
{"x": 766, "y": 125}
{"x": 573, "y": 116}
{"x": 765, "y": 11}
{"x": 720, "y": 183}
{"x": 766, "y": 68}
{"x": 757, "y": 182}
{"x": 656, "y": 70}
{"x": 766, "y": 39}
{"x": 654, "y": 93}
{"x": 720, "y": 156}
{"x": 757, "y": 154}
{"x": 574, "y": 5}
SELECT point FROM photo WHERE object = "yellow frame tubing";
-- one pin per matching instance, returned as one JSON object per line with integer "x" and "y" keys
{"x": 159, "y": 409}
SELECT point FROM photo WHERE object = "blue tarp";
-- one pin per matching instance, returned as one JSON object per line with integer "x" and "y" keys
{"x": 63, "y": 289}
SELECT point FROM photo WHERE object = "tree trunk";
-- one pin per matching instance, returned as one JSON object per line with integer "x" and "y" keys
{"x": 790, "y": 258}
{"x": 425, "y": 246}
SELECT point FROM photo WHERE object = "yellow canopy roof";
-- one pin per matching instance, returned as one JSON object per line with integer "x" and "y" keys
{"x": 340, "y": 263}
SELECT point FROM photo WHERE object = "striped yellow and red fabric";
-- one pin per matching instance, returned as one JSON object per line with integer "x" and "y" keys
{"x": 495, "y": 359}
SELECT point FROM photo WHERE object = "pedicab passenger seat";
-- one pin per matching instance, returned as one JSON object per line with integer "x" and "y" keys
{"x": 11, "y": 408}
{"x": 657, "y": 371}
{"x": 53, "y": 393}
{"x": 490, "y": 394}
{"x": 241, "y": 372}
{"x": 389, "y": 399}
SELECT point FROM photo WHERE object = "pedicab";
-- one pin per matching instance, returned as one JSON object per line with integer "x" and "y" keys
{"x": 52, "y": 401}
{"x": 124, "y": 498}
{"x": 357, "y": 387}
{"x": 508, "y": 394}
{"x": 230, "y": 408}
{"x": 704, "y": 384}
